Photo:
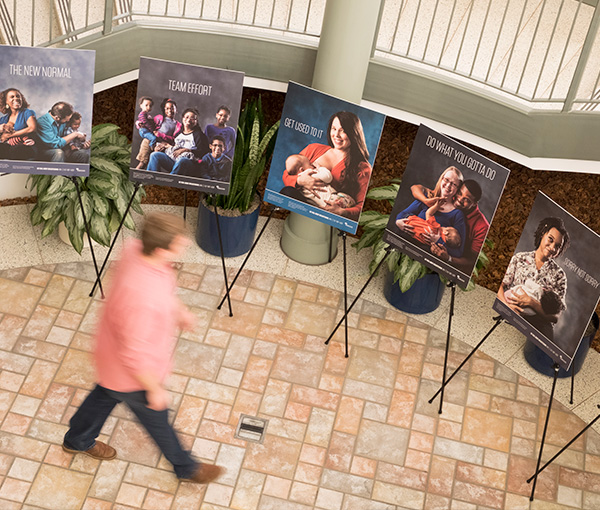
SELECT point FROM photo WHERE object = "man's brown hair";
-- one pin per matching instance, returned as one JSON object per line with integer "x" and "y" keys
{"x": 159, "y": 230}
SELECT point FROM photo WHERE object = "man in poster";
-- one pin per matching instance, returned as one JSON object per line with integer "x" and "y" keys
{"x": 53, "y": 140}
{"x": 465, "y": 200}
{"x": 450, "y": 193}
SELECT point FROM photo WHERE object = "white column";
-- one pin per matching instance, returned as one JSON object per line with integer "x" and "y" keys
{"x": 347, "y": 36}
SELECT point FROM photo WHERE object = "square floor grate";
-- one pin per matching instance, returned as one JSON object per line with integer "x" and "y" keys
{"x": 251, "y": 428}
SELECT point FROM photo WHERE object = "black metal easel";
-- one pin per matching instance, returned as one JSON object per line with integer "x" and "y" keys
{"x": 499, "y": 320}
{"x": 228, "y": 289}
{"x": 222, "y": 257}
{"x": 452, "y": 286}
{"x": 329, "y": 257}
{"x": 540, "y": 469}
{"x": 112, "y": 245}
{"x": 555, "y": 367}
{"x": 87, "y": 231}
{"x": 347, "y": 309}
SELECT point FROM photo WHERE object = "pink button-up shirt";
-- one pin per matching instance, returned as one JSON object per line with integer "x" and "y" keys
{"x": 136, "y": 330}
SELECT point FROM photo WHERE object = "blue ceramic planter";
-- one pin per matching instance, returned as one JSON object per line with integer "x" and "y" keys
{"x": 423, "y": 297}
{"x": 543, "y": 363}
{"x": 237, "y": 232}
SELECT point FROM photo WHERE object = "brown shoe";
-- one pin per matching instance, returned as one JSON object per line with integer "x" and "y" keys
{"x": 100, "y": 451}
{"x": 206, "y": 473}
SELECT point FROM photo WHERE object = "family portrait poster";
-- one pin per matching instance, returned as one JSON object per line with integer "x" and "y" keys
{"x": 445, "y": 205}
{"x": 552, "y": 284}
{"x": 185, "y": 137}
{"x": 46, "y": 95}
{"x": 323, "y": 157}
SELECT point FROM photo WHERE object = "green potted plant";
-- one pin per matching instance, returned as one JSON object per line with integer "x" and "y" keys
{"x": 238, "y": 210}
{"x": 418, "y": 288}
{"x": 105, "y": 193}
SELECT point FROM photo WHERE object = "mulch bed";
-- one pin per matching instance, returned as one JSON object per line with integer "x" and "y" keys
{"x": 574, "y": 191}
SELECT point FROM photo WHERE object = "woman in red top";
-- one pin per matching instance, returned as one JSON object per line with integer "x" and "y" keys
{"x": 346, "y": 156}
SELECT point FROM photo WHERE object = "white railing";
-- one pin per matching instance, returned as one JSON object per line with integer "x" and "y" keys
{"x": 542, "y": 53}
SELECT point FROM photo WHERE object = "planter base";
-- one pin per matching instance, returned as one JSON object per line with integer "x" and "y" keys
{"x": 423, "y": 297}
{"x": 543, "y": 363}
{"x": 237, "y": 232}
{"x": 308, "y": 241}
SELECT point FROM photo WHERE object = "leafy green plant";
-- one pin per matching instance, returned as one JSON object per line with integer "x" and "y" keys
{"x": 104, "y": 194}
{"x": 253, "y": 149}
{"x": 406, "y": 270}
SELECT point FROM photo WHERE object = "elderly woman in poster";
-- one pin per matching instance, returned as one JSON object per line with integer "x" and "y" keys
{"x": 534, "y": 285}
{"x": 17, "y": 125}
{"x": 346, "y": 158}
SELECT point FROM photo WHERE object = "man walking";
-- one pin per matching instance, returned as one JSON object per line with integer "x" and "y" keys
{"x": 134, "y": 346}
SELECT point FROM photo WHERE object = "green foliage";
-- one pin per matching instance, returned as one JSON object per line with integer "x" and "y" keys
{"x": 104, "y": 194}
{"x": 406, "y": 270}
{"x": 253, "y": 149}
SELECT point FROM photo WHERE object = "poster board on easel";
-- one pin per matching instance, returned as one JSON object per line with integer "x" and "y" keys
{"x": 324, "y": 138}
{"x": 552, "y": 284}
{"x": 43, "y": 91}
{"x": 445, "y": 170}
{"x": 206, "y": 103}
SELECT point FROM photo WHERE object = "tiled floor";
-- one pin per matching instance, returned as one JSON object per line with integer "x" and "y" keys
{"x": 343, "y": 434}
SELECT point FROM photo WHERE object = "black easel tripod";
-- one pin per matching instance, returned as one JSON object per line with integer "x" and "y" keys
{"x": 347, "y": 308}
{"x": 445, "y": 381}
{"x": 228, "y": 288}
{"x": 87, "y": 231}
{"x": 579, "y": 434}
{"x": 112, "y": 245}
{"x": 555, "y": 367}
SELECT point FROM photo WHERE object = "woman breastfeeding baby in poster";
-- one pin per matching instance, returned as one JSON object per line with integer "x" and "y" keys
{"x": 333, "y": 177}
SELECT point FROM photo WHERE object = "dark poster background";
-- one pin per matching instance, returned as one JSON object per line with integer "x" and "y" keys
{"x": 580, "y": 264}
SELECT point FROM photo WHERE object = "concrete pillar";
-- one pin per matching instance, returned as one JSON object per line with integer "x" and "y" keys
{"x": 341, "y": 67}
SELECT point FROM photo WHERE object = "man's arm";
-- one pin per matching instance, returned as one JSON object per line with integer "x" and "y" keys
{"x": 48, "y": 133}
{"x": 157, "y": 397}
{"x": 462, "y": 263}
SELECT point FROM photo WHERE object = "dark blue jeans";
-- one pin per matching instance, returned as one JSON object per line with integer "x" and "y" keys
{"x": 90, "y": 417}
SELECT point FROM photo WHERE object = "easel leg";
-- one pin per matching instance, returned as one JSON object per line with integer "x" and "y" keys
{"x": 87, "y": 231}
{"x": 572, "y": 383}
{"x": 114, "y": 241}
{"x": 273, "y": 209}
{"x": 345, "y": 294}
{"x": 566, "y": 446}
{"x": 537, "y": 469}
{"x": 387, "y": 252}
{"x": 450, "y": 314}
{"x": 185, "y": 205}
{"x": 223, "y": 261}
{"x": 499, "y": 320}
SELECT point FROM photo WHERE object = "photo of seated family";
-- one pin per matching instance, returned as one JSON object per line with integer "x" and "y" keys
{"x": 46, "y": 110}
{"x": 52, "y": 136}
{"x": 185, "y": 125}
{"x": 182, "y": 147}
{"x": 444, "y": 208}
